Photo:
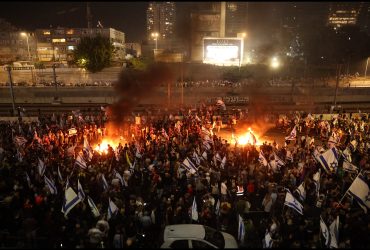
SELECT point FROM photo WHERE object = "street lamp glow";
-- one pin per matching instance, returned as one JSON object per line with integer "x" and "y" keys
{"x": 274, "y": 63}
{"x": 23, "y": 34}
{"x": 155, "y": 36}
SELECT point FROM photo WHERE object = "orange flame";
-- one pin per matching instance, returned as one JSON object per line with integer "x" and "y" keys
{"x": 102, "y": 147}
{"x": 247, "y": 138}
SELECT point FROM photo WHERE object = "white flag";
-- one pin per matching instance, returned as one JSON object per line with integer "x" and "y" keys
{"x": 217, "y": 210}
{"x": 105, "y": 183}
{"x": 360, "y": 192}
{"x": 316, "y": 179}
{"x": 268, "y": 240}
{"x": 60, "y": 175}
{"x": 223, "y": 162}
{"x": 194, "y": 211}
{"x": 112, "y": 209}
{"x": 189, "y": 165}
{"x": 81, "y": 162}
{"x": 262, "y": 159}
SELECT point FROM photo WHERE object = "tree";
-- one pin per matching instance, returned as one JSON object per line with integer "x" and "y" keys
{"x": 94, "y": 53}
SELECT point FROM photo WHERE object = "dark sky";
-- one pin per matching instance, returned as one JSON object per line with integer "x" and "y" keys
{"x": 129, "y": 17}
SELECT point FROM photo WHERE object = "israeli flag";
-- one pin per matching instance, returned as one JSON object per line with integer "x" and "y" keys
{"x": 112, "y": 209}
{"x": 360, "y": 192}
{"x": 334, "y": 233}
{"x": 88, "y": 152}
{"x": 105, "y": 183}
{"x": 217, "y": 210}
{"x": 218, "y": 158}
{"x": 194, "y": 211}
{"x": 28, "y": 180}
{"x": 189, "y": 165}
{"x": 292, "y": 202}
{"x": 325, "y": 232}
{"x": 279, "y": 162}
{"x": 93, "y": 207}
{"x": 206, "y": 145}
{"x": 262, "y": 159}
{"x": 71, "y": 199}
{"x": 204, "y": 155}
{"x": 81, "y": 162}
{"x": 81, "y": 192}
{"x": 51, "y": 185}
{"x": 41, "y": 167}
{"x": 349, "y": 167}
{"x": 293, "y": 134}
{"x": 316, "y": 179}
{"x": 60, "y": 175}
{"x": 268, "y": 240}
{"x": 301, "y": 191}
{"x": 196, "y": 158}
{"x": 329, "y": 160}
{"x": 241, "y": 229}
{"x": 223, "y": 162}
{"x": 118, "y": 176}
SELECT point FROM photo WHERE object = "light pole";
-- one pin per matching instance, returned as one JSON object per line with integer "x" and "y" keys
{"x": 8, "y": 68}
{"x": 155, "y": 37}
{"x": 28, "y": 45}
{"x": 367, "y": 63}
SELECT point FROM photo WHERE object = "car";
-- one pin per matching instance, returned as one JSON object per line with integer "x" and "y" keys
{"x": 196, "y": 236}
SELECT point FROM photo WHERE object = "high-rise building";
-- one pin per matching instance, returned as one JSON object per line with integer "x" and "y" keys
{"x": 343, "y": 14}
{"x": 161, "y": 18}
{"x": 236, "y": 18}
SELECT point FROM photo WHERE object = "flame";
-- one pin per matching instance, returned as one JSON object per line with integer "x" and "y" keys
{"x": 102, "y": 147}
{"x": 247, "y": 138}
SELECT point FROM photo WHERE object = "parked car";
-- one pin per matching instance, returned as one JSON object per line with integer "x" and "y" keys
{"x": 196, "y": 236}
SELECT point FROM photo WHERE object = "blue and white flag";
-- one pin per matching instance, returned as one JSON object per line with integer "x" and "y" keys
{"x": 41, "y": 167}
{"x": 347, "y": 154}
{"x": 196, "y": 158}
{"x": 189, "y": 165}
{"x": 360, "y": 192}
{"x": 293, "y": 134}
{"x": 80, "y": 190}
{"x": 194, "y": 211}
{"x": 60, "y": 175}
{"x": 206, "y": 145}
{"x": 262, "y": 159}
{"x": 81, "y": 162}
{"x": 329, "y": 160}
{"x": 325, "y": 232}
{"x": 279, "y": 162}
{"x": 301, "y": 191}
{"x": 292, "y": 202}
{"x": 267, "y": 240}
{"x": 112, "y": 209}
{"x": 349, "y": 167}
{"x": 118, "y": 176}
{"x": 223, "y": 162}
{"x": 105, "y": 183}
{"x": 241, "y": 229}
{"x": 51, "y": 185}
{"x": 217, "y": 158}
{"x": 334, "y": 233}
{"x": 204, "y": 155}
{"x": 217, "y": 210}
{"x": 88, "y": 152}
{"x": 71, "y": 199}
{"x": 316, "y": 179}
{"x": 93, "y": 207}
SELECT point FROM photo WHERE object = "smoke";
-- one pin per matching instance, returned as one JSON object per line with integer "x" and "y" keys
{"x": 134, "y": 85}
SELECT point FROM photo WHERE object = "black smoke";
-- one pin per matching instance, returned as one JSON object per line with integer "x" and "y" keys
{"x": 134, "y": 85}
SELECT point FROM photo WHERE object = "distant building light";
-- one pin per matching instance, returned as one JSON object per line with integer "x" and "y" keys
{"x": 46, "y": 32}
{"x": 71, "y": 47}
{"x": 59, "y": 40}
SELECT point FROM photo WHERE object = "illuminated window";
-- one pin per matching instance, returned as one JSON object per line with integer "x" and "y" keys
{"x": 46, "y": 32}
{"x": 71, "y": 47}
{"x": 57, "y": 40}
{"x": 70, "y": 32}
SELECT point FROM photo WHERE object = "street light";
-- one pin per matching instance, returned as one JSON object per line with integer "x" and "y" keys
{"x": 28, "y": 45}
{"x": 155, "y": 36}
{"x": 274, "y": 63}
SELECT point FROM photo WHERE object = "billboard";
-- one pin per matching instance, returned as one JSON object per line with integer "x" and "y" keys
{"x": 223, "y": 51}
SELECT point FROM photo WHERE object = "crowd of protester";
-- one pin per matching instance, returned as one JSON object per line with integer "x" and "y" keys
{"x": 157, "y": 190}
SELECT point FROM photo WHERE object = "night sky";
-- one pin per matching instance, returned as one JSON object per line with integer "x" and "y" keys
{"x": 129, "y": 17}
